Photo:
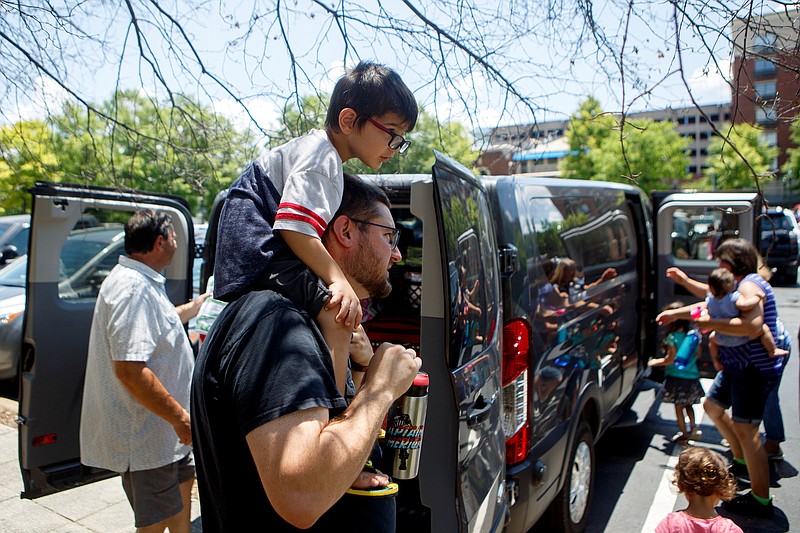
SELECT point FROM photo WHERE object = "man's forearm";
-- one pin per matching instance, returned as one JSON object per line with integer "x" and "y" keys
{"x": 148, "y": 390}
{"x": 307, "y": 462}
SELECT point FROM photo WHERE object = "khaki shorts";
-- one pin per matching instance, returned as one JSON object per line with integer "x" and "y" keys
{"x": 155, "y": 494}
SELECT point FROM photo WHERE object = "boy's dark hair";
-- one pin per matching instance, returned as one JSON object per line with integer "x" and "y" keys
{"x": 721, "y": 282}
{"x": 360, "y": 199}
{"x": 371, "y": 90}
{"x": 143, "y": 228}
{"x": 703, "y": 472}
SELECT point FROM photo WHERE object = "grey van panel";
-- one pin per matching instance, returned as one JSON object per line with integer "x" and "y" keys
{"x": 51, "y": 380}
{"x": 462, "y": 465}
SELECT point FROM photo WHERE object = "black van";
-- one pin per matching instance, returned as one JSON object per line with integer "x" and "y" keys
{"x": 531, "y": 301}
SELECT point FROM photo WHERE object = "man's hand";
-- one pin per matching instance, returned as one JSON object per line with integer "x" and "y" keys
{"x": 190, "y": 309}
{"x": 343, "y": 295}
{"x": 392, "y": 370}
{"x": 146, "y": 388}
{"x": 183, "y": 428}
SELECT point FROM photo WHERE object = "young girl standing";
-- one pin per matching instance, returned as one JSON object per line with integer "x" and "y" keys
{"x": 703, "y": 478}
{"x": 681, "y": 385}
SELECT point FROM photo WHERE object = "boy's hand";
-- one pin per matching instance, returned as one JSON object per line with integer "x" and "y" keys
{"x": 343, "y": 295}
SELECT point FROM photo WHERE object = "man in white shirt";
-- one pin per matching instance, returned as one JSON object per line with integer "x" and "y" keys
{"x": 135, "y": 414}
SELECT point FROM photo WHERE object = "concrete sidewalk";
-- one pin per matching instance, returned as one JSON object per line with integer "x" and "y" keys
{"x": 100, "y": 507}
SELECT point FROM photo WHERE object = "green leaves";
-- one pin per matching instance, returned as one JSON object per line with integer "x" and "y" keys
{"x": 178, "y": 147}
{"x": 642, "y": 152}
{"x": 792, "y": 165}
{"x": 26, "y": 154}
{"x": 736, "y": 163}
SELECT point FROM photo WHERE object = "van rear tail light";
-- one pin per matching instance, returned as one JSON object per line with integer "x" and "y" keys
{"x": 43, "y": 440}
{"x": 516, "y": 348}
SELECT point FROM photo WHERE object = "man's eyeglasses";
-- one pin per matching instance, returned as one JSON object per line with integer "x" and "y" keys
{"x": 397, "y": 141}
{"x": 395, "y": 231}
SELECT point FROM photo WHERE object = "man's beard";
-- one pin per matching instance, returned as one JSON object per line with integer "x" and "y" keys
{"x": 364, "y": 268}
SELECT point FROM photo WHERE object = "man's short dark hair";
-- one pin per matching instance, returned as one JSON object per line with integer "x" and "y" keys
{"x": 360, "y": 200}
{"x": 371, "y": 90}
{"x": 143, "y": 228}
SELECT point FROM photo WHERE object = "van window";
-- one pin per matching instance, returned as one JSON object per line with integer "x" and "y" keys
{"x": 697, "y": 231}
{"x": 471, "y": 268}
{"x": 90, "y": 252}
{"x": 20, "y": 240}
{"x": 580, "y": 238}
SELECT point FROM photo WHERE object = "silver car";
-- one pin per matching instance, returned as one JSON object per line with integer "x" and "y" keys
{"x": 14, "y": 233}
{"x": 86, "y": 259}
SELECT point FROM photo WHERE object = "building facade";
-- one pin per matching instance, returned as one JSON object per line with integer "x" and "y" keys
{"x": 540, "y": 147}
{"x": 766, "y": 76}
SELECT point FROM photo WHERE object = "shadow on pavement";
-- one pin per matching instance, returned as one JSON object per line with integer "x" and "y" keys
{"x": 778, "y": 523}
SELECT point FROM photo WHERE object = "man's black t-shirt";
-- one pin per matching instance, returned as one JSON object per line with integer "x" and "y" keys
{"x": 263, "y": 358}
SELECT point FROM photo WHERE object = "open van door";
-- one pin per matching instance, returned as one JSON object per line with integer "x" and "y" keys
{"x": 462, "y": 468}
{"x": 689, "y": 227}
{"x": 65, "y": 269}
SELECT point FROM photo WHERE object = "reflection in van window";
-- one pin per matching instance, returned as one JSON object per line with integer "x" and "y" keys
{"x": 471, "y": 270}
{"x": 698, "y": 231}
{"x": 585, "y": 259}
{"x": 592, "y": 232}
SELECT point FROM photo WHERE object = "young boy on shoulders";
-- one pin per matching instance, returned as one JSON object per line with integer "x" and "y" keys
{"x": 276, "y": 212}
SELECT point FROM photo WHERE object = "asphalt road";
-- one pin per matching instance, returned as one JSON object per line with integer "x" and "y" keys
{"x": 633, "y": 492}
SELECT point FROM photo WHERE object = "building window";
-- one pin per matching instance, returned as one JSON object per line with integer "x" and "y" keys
{"x": 727, "y": 117}
{"x": 703, "y": 152}
{"x": 690, "y": 120}
{"x": 692, "y": 170}
{"x": 763, "y": 66}
{"x": 770, "y": 138}
{"x": 703, "y": 135}
{"x": 765, "y": 116}
{"x": 764, "y": 42}
{"x": 714, "y": 117}
{"x": 766, "y": 89}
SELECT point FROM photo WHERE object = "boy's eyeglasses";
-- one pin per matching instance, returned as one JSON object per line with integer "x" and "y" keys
{"x": 395, "y": 231}
{"x": 397, "y": 141}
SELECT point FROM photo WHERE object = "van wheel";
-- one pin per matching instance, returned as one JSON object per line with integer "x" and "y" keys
{"x": 569, "y": 512}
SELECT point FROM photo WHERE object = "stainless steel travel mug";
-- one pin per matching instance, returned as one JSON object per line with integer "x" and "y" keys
{"x": 405, "y": 428}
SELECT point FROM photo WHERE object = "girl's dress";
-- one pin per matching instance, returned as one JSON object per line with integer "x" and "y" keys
{"x": 682, "y": 386}
{"x": 680, "y": 522}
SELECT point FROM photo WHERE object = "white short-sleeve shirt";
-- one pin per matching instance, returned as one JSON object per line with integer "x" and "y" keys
{"x": 134, "y": 320}
{"x": 307, "y": 172}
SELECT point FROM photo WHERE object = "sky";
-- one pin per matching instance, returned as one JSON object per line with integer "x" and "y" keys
{"x": 249, "y": 52}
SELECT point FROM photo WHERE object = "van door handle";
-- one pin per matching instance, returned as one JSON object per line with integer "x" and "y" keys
{"x": 479, "y": 412}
